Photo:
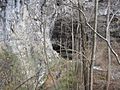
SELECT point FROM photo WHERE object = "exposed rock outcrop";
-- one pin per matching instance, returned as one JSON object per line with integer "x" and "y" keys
{"x": 24, "y": 30}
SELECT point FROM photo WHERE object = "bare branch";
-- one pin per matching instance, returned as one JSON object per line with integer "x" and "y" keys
{"x": 112, "y": 50}
{"x": 99, "y": 35}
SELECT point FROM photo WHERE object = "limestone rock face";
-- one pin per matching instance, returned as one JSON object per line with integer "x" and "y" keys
{"x": 24, "y": 30}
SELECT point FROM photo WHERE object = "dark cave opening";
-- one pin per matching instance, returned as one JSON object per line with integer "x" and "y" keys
{"x": 62, "y": 37}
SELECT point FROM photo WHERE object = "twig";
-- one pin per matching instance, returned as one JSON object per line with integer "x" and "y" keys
{"x": 24, "y": 82}
{"x": 80, "y": 53}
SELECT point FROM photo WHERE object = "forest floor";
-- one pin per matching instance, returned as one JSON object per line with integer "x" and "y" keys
{"x": 100, "y": 72}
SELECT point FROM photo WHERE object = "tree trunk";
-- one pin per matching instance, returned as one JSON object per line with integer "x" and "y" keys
{"x": 109, "y": 51}
{"x": 94, "y": 46}
{"x": 83, "y": 49}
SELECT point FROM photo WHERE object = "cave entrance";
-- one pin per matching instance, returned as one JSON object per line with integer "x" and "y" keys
{"x": 62, "y": 37}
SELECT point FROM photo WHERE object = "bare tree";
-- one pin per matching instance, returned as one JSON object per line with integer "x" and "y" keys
{"x": 94, "y": 45}
{"x": 109, "y": 51}
{"x": 83, "y": 47}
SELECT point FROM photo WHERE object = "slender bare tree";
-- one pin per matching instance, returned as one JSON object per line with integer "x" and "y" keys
{"x": 109, "y": 51}
{"x": 94, "y": 45}
{"x": 83, "y": 47}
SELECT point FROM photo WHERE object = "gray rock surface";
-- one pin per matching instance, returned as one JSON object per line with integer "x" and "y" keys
{"x": 22, "y": 27}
